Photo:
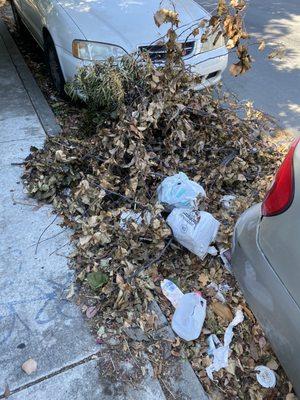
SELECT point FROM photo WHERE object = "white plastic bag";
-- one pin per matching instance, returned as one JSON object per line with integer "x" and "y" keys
{"x": 179, "y": 191}
{"x": 189, "y": 316}
{"x": 194, "y": 230}
{"x": 219, "y": 353}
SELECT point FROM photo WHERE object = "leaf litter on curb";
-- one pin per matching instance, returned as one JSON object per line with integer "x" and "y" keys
{"x": 156, "y": 126}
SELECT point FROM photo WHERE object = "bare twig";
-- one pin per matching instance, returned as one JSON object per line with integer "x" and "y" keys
{"x": 113, "y": 364}
{"x": 18, "y": 163}
{"x": 132, "y": 356}
{"x": 50, "y": 237}
{"x": 227, "y": 160}
{"x": 122, "y": 196}
{"x": 150, "y": 263}
{"x": 41, "y": 235}
{"x": 60, "y": 247}
{"x": 168, "y": 389}
{"x": 23, "y": 203}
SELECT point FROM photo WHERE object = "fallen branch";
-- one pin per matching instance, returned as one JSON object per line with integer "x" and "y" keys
{"x": 122, "y": 196}
{"x": 150, "y": 263}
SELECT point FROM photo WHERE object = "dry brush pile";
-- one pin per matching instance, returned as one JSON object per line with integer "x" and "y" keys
{"x": 146, "y": 123}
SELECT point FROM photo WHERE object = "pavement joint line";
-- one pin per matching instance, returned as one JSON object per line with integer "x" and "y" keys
{"x": 55, "y": 373}
{"x": 21, "y": 140}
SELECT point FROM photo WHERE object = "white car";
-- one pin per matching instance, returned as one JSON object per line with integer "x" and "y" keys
{"x": 74, "y": 33}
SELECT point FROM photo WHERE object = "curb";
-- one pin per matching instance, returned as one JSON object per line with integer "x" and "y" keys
{"x": 39, "y": 103}
{"x": 181, "y": 379}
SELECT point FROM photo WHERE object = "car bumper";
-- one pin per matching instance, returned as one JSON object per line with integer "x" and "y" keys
{"x": 209, "y": 65}
{"x": 269, "y": 299}
{"x": 70, "y": 64}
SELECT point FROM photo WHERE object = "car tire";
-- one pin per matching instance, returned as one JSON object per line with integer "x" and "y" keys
{"x": 54, "y": 67}
{"x": 20, "y": 26}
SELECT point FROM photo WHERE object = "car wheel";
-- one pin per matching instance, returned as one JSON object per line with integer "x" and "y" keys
{"x": 54, "y": 67}
{"x": 18, "y": 20}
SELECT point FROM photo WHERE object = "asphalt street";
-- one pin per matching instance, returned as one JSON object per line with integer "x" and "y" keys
{"x": 272, "y": 85}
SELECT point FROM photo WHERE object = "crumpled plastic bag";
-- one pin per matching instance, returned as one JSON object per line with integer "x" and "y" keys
{"x": 219, "y": 353}
{"x": 179, "y": 191}
{"x": 189, "y": 316}
{"x": 194, "y": 230}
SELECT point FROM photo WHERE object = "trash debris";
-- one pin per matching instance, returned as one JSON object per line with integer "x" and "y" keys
{"x": 126, "y": 216}
{"x": 189, "y": 316}
{"x": 171, "y": 291}
{"x": 29, "y": 366}
{"x": 219, "y": 353}
{"x": 194, "y": 230}
{"x": 227, "y": 201}
{"x": 220, "y": 289}
{"x": 212, "y": 251}
{"x": 178, "y": 191}
{"x": 225, "y": 255}
{"x": 190, "y": 310}
{"x": 265, "y": 376}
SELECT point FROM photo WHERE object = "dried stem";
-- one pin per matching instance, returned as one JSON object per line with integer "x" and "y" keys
{"x": 150, "y": 263}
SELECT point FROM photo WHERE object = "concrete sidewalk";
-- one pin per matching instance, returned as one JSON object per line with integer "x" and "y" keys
{"x": 36, "y": 319}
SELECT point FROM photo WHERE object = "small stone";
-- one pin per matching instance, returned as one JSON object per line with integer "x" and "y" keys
{"x": 29, "y": 366}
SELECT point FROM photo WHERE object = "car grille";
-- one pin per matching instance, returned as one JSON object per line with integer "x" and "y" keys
{"x": 158, "y": 53}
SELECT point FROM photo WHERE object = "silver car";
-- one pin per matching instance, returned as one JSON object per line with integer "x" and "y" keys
{"x": 266, "y": 262}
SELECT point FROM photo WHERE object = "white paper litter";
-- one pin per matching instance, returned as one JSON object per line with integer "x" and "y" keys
{"x": 179, "y": 191}
{"x": 225, "y": 255}
{"x": 265, "y": 376}
{"x": 227, "y": 201}
{"x": 126, "y": 216}
{"x": 219, "y": 353}
{"x": 220, "y": 289}
{"x": 212, "y": 251}
{"x": 194, "y": 230}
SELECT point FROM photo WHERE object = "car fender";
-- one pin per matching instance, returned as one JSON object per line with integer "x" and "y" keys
{"x": 53, "y": 20}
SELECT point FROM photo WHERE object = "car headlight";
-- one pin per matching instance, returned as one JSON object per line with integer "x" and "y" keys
{"x": 214, "y": 41}
{"x": 95, "y": 51}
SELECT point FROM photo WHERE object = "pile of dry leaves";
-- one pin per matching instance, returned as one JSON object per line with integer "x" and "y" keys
{"x": 152, "y": 125}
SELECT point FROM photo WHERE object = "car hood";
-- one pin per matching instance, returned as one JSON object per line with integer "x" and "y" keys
{"x": 127, "y": 23}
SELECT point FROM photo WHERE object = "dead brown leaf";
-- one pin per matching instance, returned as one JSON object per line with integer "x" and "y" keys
{"x": 222, "y": 310}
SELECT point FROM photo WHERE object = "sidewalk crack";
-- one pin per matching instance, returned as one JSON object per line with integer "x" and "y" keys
{"x": 94, "y": 356}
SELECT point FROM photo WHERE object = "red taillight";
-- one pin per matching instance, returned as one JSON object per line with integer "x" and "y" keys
{"x": 281, "y": 195}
